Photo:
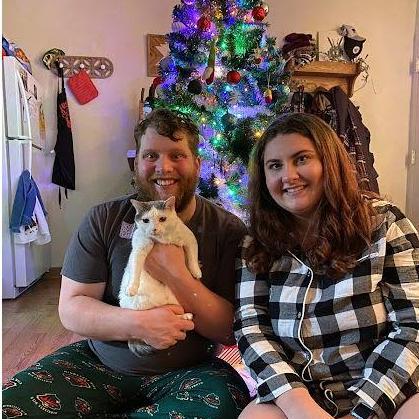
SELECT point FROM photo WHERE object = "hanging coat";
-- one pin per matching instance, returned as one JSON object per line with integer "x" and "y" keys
{"x": 63, "y": 172}
{"x": 343, "y": 116}
{"x": 356, "y": 137}
{"x": 27, "y": 193}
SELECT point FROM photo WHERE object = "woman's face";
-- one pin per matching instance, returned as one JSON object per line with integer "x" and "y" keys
{"x": 294, "y": 174}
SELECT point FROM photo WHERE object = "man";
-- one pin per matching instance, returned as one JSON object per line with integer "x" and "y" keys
{"x": 181, "y": 378}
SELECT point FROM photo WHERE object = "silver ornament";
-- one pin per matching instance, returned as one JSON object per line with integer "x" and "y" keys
{"x": 159, "y": 91}
{"x": 178, "y": 26}
{"x": 265, "y": 7}
{"x": 233, "y": 99}
{"x": 166, "y": 63}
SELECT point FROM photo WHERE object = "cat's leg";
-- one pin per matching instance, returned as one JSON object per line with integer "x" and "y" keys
{"x": 138, "y": 264}
{"x": 191, "y": 253}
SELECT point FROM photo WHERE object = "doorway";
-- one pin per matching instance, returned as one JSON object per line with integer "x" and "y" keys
{"x": 412, "y": 198}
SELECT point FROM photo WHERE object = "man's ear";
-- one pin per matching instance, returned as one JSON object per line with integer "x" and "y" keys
{"x": 198, "y": 162}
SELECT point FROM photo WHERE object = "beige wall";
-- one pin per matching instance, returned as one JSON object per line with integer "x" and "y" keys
{"x": 102, "y": 129}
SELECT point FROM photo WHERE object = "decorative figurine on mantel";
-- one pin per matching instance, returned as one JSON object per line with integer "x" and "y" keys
{"x": 352, "y": 42}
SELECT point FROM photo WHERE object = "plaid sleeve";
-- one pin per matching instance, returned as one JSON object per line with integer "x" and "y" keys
{"x": 259, "y": 346}
{"x": 391, "y": 374}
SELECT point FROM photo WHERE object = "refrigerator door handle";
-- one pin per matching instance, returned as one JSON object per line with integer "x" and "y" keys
{"x": 23, "y": 137}
{"x": 25, "y": 108}
{"x": 28, "y": 159}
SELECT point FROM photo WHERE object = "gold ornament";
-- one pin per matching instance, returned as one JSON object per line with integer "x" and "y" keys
{"x": 268, "y": 96}
{"x": 218, "y": 14}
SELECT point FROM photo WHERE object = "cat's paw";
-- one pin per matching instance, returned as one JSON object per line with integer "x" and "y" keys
{"x": 196, "y": 272}
{"x": 187, "y": 316}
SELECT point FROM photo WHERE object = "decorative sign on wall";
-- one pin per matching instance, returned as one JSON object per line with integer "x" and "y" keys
{"x": 157, "y": 48}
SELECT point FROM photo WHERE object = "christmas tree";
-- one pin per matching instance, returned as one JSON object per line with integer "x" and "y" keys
{"x": 227, "y": 75}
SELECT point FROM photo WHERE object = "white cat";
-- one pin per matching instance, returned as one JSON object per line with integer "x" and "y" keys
{"x": 156, "y": 221}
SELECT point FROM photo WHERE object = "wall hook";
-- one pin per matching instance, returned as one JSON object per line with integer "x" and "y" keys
{"x": 95, "y": 67}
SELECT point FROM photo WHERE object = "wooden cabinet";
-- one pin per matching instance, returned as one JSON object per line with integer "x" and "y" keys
{"x": 326, "y": 74}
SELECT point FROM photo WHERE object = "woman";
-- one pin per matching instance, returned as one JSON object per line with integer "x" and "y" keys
{"x": 328, "y": 295}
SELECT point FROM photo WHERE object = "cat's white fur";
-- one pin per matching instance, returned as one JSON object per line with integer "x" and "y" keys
{"x": 155, "y": 221}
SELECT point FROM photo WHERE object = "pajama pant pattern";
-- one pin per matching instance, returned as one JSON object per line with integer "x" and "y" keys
{"x": 73, "y": 383}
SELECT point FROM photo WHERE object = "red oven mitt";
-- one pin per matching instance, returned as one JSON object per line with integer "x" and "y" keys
{"x": 82, "y": 87}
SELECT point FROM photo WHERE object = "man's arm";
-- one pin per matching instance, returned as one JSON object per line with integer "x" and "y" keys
{"x": 213, "y": 315}
{"x": 82, "y": 311}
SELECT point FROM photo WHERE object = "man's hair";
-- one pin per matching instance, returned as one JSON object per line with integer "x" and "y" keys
{"x": 168, "y": 123}
{"x": 342, "y": 224}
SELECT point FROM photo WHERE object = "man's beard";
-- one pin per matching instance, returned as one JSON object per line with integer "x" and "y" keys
{"x": 146, "y": 190}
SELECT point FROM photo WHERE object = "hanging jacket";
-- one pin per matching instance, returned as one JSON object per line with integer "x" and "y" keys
{"x": 343, "y": 116}
{"x": 356, "y": 137}
{"x": 38, "y": 231}
{"x": 24, "y": 203}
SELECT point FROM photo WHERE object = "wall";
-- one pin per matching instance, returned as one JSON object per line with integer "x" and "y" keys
{"x": 102, "y": 129}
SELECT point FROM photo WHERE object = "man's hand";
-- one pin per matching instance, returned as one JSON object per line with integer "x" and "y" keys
{"x": 166, "y": 262}
{"x": 213, "y": 315}
{"x": 163, "y": 327}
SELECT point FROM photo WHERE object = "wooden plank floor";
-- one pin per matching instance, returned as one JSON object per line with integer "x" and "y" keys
{"x": 31, "y": 326}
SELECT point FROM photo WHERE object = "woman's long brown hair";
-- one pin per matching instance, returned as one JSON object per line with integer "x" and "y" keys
{"x": 341, "y": 226}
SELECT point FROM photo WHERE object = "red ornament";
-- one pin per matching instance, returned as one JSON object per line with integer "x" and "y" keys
{"x": 203, "y": 23}
{"x": 233, "y": 76}
{"x": 156, "y": 81}
{"x": 258, "y": 13}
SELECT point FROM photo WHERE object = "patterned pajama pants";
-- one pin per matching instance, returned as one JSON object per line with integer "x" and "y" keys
{"x": 73, "y": 383}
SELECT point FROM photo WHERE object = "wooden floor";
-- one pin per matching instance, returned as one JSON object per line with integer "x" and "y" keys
{"x": 31, "y": 327}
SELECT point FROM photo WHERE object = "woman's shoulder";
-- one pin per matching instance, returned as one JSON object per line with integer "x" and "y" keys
{"x": 389, "y": 209}
{"x": 391, "y": 219}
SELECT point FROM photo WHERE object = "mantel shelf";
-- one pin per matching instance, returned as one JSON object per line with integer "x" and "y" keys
{"x": 326, "y": 74}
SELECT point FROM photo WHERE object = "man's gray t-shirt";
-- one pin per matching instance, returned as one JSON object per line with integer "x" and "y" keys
{"x": 99, "y": 251}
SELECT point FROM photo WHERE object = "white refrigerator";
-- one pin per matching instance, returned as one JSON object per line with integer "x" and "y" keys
{"x": 23, "y": 147}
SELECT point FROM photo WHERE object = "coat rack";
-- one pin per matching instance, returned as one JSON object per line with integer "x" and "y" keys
{"x": 326, "y": 74}
{"x": 95, "y": 67}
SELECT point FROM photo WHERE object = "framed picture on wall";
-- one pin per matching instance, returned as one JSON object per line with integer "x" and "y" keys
{"x": 157, "y": 48}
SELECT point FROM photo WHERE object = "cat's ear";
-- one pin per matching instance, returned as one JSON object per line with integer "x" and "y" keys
{"x": 170, "y": 203}
{"x": 140, "y": 207}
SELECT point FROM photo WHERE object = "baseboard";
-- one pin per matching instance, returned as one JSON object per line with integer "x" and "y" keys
{"x": 54, "y": 272}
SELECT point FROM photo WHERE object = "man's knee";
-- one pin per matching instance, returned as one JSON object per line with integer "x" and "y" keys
{"x": 231, "y": 398}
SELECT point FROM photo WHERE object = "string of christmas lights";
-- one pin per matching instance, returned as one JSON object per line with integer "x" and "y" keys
{"x": 226, "y": 73}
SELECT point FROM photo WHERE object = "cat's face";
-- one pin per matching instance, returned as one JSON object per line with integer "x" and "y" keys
{"x": 155, "y": 218}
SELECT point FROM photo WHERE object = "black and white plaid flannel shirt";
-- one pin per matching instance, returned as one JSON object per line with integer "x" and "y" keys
{"x": 349, "y": 341}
